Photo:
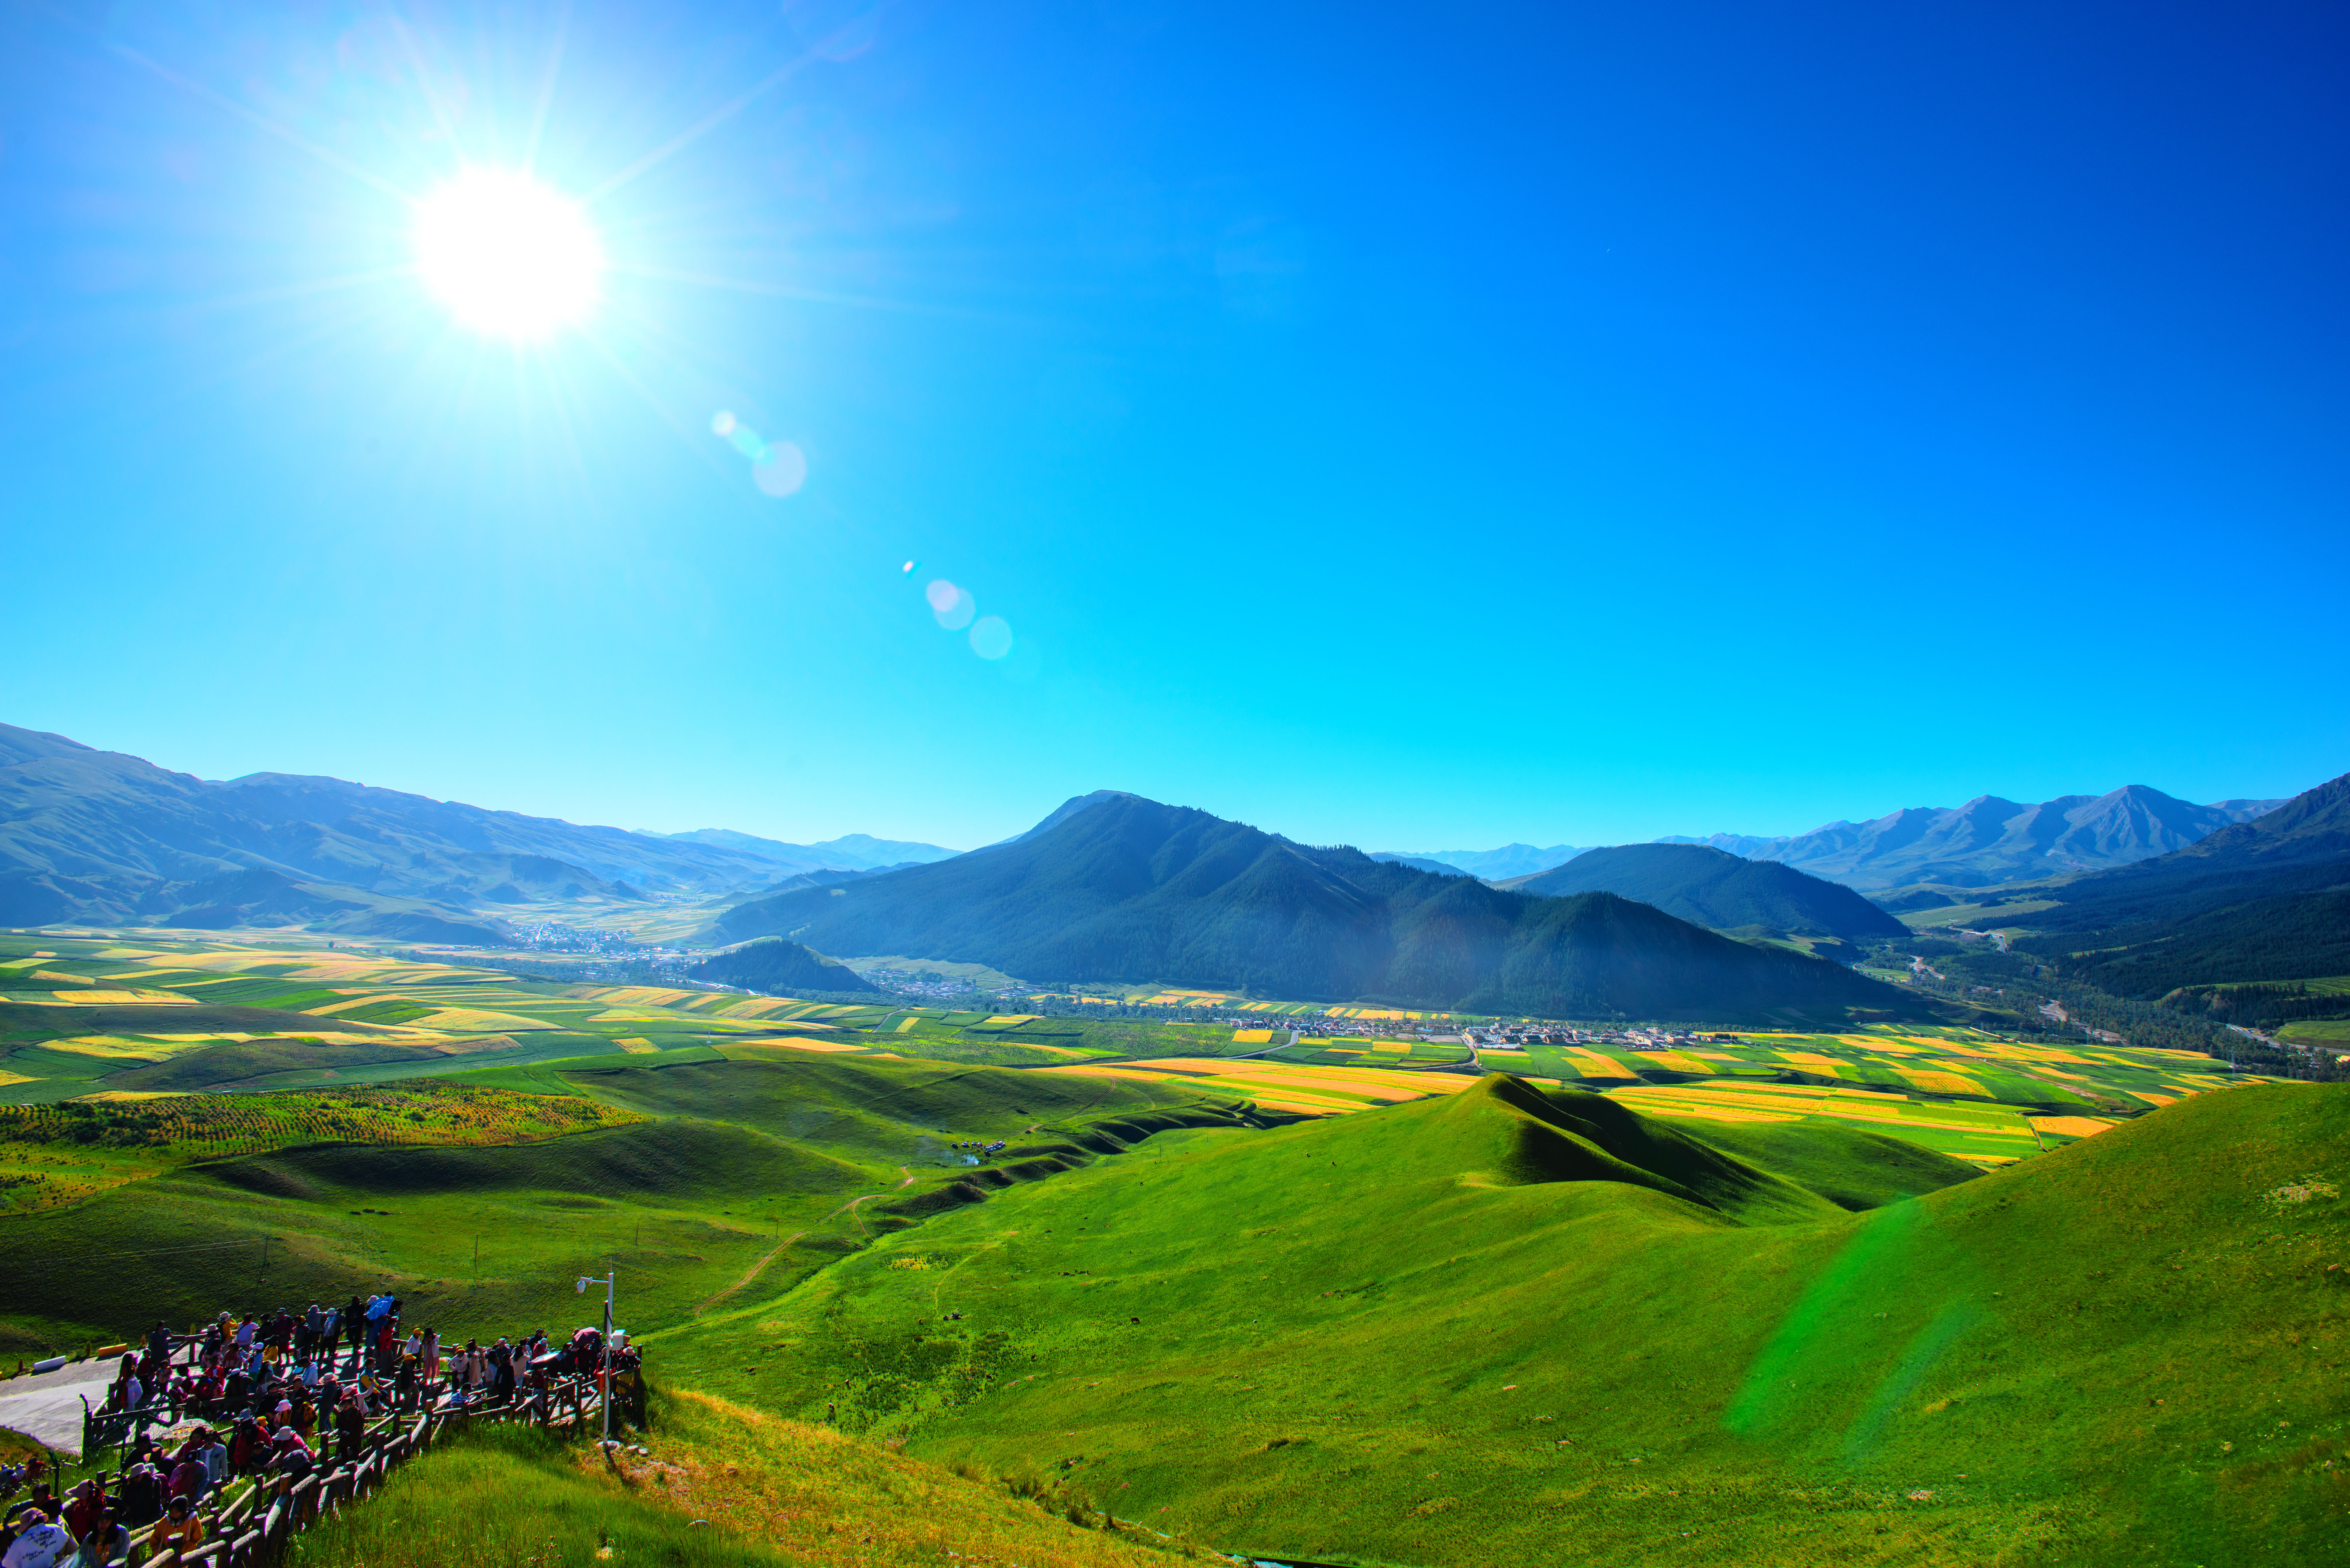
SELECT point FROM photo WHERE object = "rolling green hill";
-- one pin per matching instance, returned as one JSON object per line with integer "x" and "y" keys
{"x": 1503, "y": 1327}
{"x": 780, "y": 967}
{"x": 757, "y": 1168}
{"x": 1715, "y": 887}
{"x": 1124, "y": 888}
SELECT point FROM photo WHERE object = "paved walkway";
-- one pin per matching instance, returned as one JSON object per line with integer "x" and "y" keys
{"x": 46, "y": 1406}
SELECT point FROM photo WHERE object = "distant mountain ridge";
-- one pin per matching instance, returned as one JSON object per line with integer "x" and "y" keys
{"x": 850, "y": 852}
{"x": 1989, "y": 840}
{"x": 1714, "y": 887}
{"x": 106, "y": 838}
{"x": 1113, "y": 887}
{"x": 1491, "y": 865}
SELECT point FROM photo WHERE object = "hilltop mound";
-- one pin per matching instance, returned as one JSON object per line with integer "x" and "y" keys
{"x": 780, "y": 967}
{"x": 1114, "y": 888}
{"x": 1714, "y": 887}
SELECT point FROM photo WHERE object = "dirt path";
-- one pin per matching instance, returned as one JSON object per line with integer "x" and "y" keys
{"x": 755, "y": 1269}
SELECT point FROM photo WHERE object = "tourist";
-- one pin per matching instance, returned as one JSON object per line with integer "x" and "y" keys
{"x": 83, "y": 1507}
{"x": 104, "y": 1542}
{"x": 141, "y": 1496}
{"x": 40, "y": 1542}
{"x": 350, "y": 1428}
{"x": 180, "y": 1530}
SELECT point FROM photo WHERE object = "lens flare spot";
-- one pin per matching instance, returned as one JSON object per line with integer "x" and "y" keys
{"x": 506, "y": 254}
{"x": 957, "y": 611}
{"x": 781, "y": 470}
{"x": 991, "y": 637}
{"x": 722, "y": 423}
{"x": 908, "y": 568}
{"x": 941, "y": 594}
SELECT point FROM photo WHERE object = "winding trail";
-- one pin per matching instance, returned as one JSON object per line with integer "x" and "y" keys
{"x": 849, "y": 1208}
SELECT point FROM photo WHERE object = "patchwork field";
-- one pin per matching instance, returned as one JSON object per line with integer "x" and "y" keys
{"x": 111, "y": 1015}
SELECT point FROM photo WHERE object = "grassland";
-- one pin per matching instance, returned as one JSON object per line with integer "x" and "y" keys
{"x": 59, "y": 1154}
{"x": 1450, "y": 1331}
{"x": 1752, "y": 1300}
{"x": 700, "y": 1173}
{"x": 769, "y": 1490}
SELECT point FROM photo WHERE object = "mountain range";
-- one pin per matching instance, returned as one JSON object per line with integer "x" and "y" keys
{"x": 851, "y": 852}
{"x": 1989, "y": 840}
{"x": 103, "y": 837}
{"x": 1715, "y": 887}
{"x": 1114, "y": 886}
{"x": 2266, "y": 900}
{"x": 1491, "y": 865}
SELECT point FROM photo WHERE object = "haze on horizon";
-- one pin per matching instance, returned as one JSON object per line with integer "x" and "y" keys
{"x": 1572, "y": 426}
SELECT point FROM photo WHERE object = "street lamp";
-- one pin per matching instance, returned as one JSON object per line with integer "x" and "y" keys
{"x": 603, "y": 1361}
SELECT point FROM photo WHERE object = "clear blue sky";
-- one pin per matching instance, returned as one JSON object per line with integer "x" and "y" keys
{"x": 1413, "y": 428}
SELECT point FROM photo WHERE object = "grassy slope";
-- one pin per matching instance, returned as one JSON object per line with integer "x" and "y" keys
{"x": 772, "y": 1492}
{"x": 746, "y": 1155}
{"x": 1375, "y": 1338}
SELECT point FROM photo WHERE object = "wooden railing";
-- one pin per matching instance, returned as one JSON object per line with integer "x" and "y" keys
{"x": 253, "y": 1517}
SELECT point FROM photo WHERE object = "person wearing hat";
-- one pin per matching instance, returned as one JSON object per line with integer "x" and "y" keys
{"x": 181, "y": 1529}
{"x": 350, "y": 1428}
{"x": 40, "y": 1542}
{"x": 290, "y": 1458}
{"x": 84, "y": 1504}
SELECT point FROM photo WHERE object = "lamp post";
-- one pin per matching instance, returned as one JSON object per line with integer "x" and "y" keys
{"x": 604, "y": 1359}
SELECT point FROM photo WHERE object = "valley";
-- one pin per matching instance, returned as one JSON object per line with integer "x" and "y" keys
{"x": 1665, "y": 1206}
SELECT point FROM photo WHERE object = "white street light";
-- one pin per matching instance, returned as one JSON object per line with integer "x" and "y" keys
{"x": 604, "y": 1366}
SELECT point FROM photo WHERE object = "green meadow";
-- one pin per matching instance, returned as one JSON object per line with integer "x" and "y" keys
{"x": 1512, "y": 1325}
{"x": 701, "y": 1176}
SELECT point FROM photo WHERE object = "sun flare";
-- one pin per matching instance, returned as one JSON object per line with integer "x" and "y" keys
{"x": 506, "y": 254}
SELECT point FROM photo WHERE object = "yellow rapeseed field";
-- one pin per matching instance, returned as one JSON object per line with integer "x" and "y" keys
{"x": 2071, "y": 1127}
{"x": 1940, "y": 1083}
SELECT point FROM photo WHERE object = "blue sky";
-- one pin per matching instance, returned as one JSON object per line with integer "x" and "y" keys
{"x": 1412, "y": 428}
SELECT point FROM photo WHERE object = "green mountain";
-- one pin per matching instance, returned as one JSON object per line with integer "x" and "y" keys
{"x": 2265, "y": 900}
{"x": 1514, "y": 1327}
{"x": 1715, "y": 887}
{"x": 779, "y": 966}
{"x": 1114, "y": 888}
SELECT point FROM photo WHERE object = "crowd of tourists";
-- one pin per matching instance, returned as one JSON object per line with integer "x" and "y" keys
{"x": 275, "y": 1397}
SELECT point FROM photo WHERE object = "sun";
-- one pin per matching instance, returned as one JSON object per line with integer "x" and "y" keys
{"x": 508, "y": 255}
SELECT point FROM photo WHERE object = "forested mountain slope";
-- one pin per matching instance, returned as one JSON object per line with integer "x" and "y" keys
{"x": 1715, "y": 887}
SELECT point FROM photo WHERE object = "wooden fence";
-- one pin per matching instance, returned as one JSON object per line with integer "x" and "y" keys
{"x": 252, "y": 1519}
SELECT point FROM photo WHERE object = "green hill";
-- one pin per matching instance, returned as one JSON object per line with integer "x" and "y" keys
{"x": 780, "y": 967}
{"x": 1506, "y": 1327}
{"x": 758, "y": 1168}
{"x": 1715, "y": 887}
{"x": 1120, "y": 889}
